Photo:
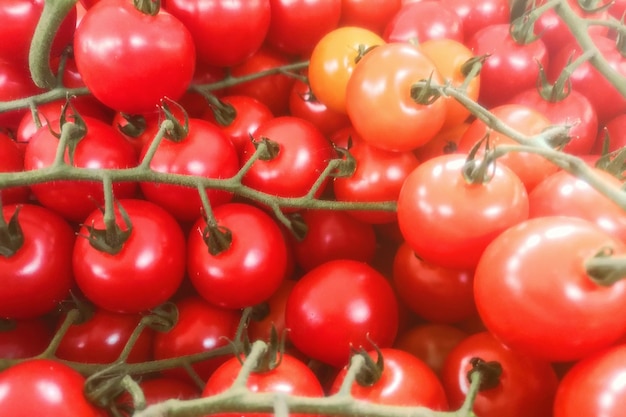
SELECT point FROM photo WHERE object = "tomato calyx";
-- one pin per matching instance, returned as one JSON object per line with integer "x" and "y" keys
{"x": 69, "y": 115}
{"x": 149, "y": 7}
{"x": 111, "y": 239}
{"x": 604, "y": 269}
{"x": 522, "y": 29}
{"x": 473, "y": 65}
{"x": 362, "y": 50}
{"x": 490, "y": 373}
{"x": 612, "y": 162}
{"x": 346, "y": 165}
{"x": 11, "y": 235}
{"x": 103, "y": 387}
{"x": 217, "y": 238}
{"x": 179, "y": 130}
{"x": 298, "y": 226}
{"x": 162, "y": 318}
{"x": 424, "y": 93}
{"x": 479, "y": 171}
{"x": 270, "y": 359}
{"x": 224, "y": 113}
{"x": 260, "y": 311}
{"x": 135, "y": 125}
{"x": 371, "y": 371}
{"x": 270, "y": 148}
{"x": 558, "y": 91}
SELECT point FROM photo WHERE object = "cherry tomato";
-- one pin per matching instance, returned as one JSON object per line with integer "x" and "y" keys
{"x": 547, "y": 292}
{"x": 445, "y": 142}
{"x": 440, "y": 295}
{"x": 225, "y": 33}
{"x": 477, "y": 14}
{"x": 593, "y": 386}
{"x": 123, "y": 66}
{"x": 153, "y": 256}
{"x": 38, "y": 275}
{"x": 526, "y": 386}
{"x": 24, "y": 338}
{"x": 205, "y": 151}
{"x": 15, "y": 83}
{"x": 101, "y": 147}
{"x": 271, "y": 314}
{"x": 324, "y": 327}
{"x": 36, "y": 385}
{"x": 333, "y": 60}
{"x": 422, "y": 21}
{"x": 200, "y": 327}
{"x": 249, "y": 268}
{"x": 297, "y": 25}
{"x": 401, "y": 373}
{"x": 368, "y": 14}
{"x": 11, "y": 160}
{"x": 383, "y": 79}
{"x": 159, "y": 389}
{"x": 459, "y": 218}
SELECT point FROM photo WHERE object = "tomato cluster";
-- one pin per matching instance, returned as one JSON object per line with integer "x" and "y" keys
{"x": 196, "y": 164}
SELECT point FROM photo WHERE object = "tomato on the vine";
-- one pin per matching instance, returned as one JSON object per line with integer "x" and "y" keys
{"x": 24, "y": 338}
{"x": 11, "y": 160}
{"x": 122, "y": 64}
{"x": 424, "y": 20}
{"x": 368, "y": 14}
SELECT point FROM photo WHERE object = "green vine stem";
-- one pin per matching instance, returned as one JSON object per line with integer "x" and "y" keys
{"x": 54, "y": 11}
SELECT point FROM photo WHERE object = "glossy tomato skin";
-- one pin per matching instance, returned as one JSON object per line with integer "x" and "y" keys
{"x": 401, "y": 374}
{"x": 575, "y": 110}
{"x": 12, "y": 160}
{"x": 102, "y": 337}
{"x": 122, "y": 65}
{"x": 563, "y": 194}
{"x": 15, "y": 83}
{"x": 290, "y": 377}
{"x": 303, "y": 154}
{"x": 378, "y": 176}
{"x": 593, "y": 386}
{"x": 272, "y": 314}
{"x": 324, "y": 327}
{"x": 368, "y": 14}
{"x": 148, "y": 269}
{"x": 224, "y": 33}
{"x": 42, "y": 384}
{"x": 530, "y": 168}
{"x": 24, "y": 338}
{"x": 250, "y": 269}
{"x": 200, "y": 327}
{"x": 39, "y": 275}
{"x": 297, "y": 25}
{"x": 205, "y": 151}
{"x": 437, "y": 294}
{"x": 526, "y": 387}
{"x": 430, "y": 343}
{"x": 333, "y": 235}
{"x": 448, "y": 221}
{"x": 102, "y": 147}
{"x": 383, "y": 79}
{"x": 333, "y": 60}
{"x": 510, "y": 67}
{"x": 19, "y": 19}
{"x": 477, "y": 14}
{"x": 422, "y": 21}
{"x": 565, "y": 315}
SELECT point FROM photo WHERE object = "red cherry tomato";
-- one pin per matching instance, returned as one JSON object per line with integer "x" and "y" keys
{"x": 24, "y": 338}
{"x": 11, "y": 160}
{"x": 422, "y": 21}
{"x": 368, "y": 14}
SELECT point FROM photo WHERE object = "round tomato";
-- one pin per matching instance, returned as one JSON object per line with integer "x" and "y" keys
{"x": 15, "y": 83}
{"x": 548, "y": 306}
{"x": 24, "y": 338}
{"x": 477, "y": 14}
{"x": 449, "y": 221}
{"x": 36, "y": 269}
{"x": 333, "y": 60}
{"x": 121, "y": 63}
{"x": 368, "y": 14}
{"x": 324, "y": 327}
{"x": 271, "y": 314}
{"x": 382, "y": 104}
{"x": 42, "y": 385}
{"x": 424, "y": 20}
{"x": 11, "y": 160}
{"x": 142, "y": 271}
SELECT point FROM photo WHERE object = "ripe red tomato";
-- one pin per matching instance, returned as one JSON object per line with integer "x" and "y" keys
{"x": 422, "y": 21}
{"x": 304, "y": 152}
{"x": 333, "y": 60}
{"x": 430, "y": 342}
{"x": 200, "y": 327}
{"x": 121, "y": 63}
{"x": 324, "y": 327}
{"x": 458, "y": 218}
{"x": 547, "y": 292}
{"x": 147, "y": 270}
{"x": 159, "y": 389}
{"x": 593, "y": 386}
{"x": 12, "y": 160}
{"x": 510, "y": 67}
{"x": 437, "y": 294}
{"x": 333, "y": 235}
{"x": 368, "y": 14}
{"x": 225, "y": 33}
{"x": 42, "y": 385}
{"x": 290, "y": 377}
{"x": 297, "y": 25}
{"x": 252, "y": 266}
{"x": 530, "y": 168}
{"x": 477, "y": 14}
{"x": 205, "y": 151}
{"x": 563, "y": 194}
{"x": 24, "y": 338}
{"x": 38, "y": 275}
{"x": 15, "y": 83}
{"x": 271, "y": 314}
{"x": 401, "y": 374}
{"x": 101, "y": 147}
{"x": 102, "y": 337}
{"x": 445, "y": 142}
{"x": 404, "y": 124}
{"x": 526, "y": 386}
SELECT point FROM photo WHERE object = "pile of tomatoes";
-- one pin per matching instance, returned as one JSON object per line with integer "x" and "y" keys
{"x": 510, "y": 262}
